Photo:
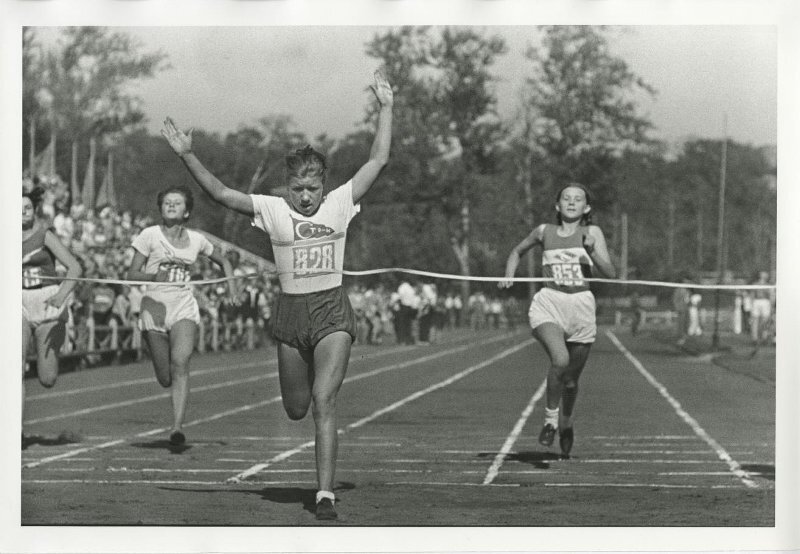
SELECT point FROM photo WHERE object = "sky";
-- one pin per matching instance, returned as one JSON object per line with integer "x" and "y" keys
{"x": 222, "y": 77}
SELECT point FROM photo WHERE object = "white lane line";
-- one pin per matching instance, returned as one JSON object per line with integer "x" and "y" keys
{"x": 144, "y": 381}
{"x": 667, "y": 452}
{"x": 248, "y": 407}
{"x": 632, "y": 461}
{"x": 494, "y": 469}
{"x": 391, "y": 407}
{"x": 150, "y": 482}
{"x": 638, "y": 486}
{"x": 194, "y": 373}
{"x": 644, "y": 437}
{"x": 722, "y": 454}
{"x": 416, "y": 484}
{"x": 151, "y": 398}
{"x": 446, "y": 484}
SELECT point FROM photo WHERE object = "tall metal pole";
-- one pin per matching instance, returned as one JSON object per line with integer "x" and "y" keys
{"x": 720, "y": 230}
{"x": 624, "y": 253}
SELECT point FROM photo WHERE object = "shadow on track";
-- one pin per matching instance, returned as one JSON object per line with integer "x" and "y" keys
{"x": 763, "y": 470}
{"x": 164, "y": 444}
{"x": 65, "y": 437}
{"x": 539, "y": 460}
{"x": 279, "y": 495}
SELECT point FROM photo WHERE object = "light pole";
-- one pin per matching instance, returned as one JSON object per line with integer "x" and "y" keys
{"x": 720, "y": 231}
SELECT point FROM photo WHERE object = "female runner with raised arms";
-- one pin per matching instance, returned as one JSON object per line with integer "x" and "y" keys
{"x": 313, "y": 320}
{"x": 562, "y": 313}
{"x": 169, "y": 314}
{"x": 44, "y": 302}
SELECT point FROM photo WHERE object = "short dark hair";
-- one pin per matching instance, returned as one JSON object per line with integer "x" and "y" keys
{"x": 306, "y": 162}
{"x": 36, "y": 195}
{"x": 179, "y": 189}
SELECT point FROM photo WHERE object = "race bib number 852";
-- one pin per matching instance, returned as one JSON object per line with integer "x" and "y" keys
{"x": 569, "y": 275}
{"x": 317, "y": 259}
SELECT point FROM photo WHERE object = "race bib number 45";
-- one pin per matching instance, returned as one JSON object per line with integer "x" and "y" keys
{"x": 568, "y": 275}
{"x": 30, "y": 277}
{"x": 313, "y": 260}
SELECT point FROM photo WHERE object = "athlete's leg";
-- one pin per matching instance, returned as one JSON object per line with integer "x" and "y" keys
{"x": 50, "y": 338}
{"x": 181, "y": 337}
{"x": 27, "y": 334}
{"x": 331, "y": 356}
{"x": 295, "y": 372}
{"x": 578, "y": 354}
{"x": 158, "y": 345}
{"x": 552, "y": 338}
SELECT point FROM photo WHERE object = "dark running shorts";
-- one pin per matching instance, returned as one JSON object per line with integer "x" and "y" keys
{"x": 302, "y": 320}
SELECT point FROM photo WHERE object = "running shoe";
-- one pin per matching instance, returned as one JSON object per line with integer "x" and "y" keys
{"x": 547, "y": 435}
{"x": 325, "y": 509}
{"x": 565, "y": 439}
{"x": 177, "y": 438}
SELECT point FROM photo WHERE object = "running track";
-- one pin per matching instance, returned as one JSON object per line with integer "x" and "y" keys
{"x": 440, "y": 435}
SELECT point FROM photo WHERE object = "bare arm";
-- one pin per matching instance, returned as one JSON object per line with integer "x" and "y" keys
{"x": 181, "y": 144}
{"x": 379, "y": 154}
{"x": 595, "y": 245}
{"x": 72, "y": 264}
{"x": 516, "y": 253}
{"x": 233, "y": 287}
{"x": 136, "y": 270}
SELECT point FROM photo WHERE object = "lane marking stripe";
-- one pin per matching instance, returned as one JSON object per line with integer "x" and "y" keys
{"x": 722, "y": 454}
{"x": 494, "y": 469}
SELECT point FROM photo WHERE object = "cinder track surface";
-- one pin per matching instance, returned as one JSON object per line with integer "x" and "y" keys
{"x": 440, "y": 435}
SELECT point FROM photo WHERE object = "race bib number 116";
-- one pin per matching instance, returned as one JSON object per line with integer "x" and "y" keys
{"x": 313, "y": 260}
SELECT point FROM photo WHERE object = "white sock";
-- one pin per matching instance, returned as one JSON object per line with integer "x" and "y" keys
{"x": 325, "y": 494}
{"x": 551, "y": 416}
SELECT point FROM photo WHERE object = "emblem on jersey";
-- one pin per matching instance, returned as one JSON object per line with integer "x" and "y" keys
{"x": 304, "y": 230}
{"x": 564, "y": 256}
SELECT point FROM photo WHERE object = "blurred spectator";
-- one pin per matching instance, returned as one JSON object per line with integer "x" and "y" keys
{"x": 408, "y": 302}
{"x": 680, "y": 303}
{"x": 427, "y": 311}
{"x": 694, "y": 315}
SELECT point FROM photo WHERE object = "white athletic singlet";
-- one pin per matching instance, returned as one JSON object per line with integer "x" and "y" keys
{"x": 309, "y": 251}
{"x": 162, "y": 255}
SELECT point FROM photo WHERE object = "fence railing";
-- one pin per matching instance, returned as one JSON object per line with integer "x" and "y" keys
{"x": 89, "y": 340}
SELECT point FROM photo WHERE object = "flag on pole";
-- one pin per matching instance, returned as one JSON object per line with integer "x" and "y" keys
{"x": 107, "y": 194}
{"x": 88, "y": 180}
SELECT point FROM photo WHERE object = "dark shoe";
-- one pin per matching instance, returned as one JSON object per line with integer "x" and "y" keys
{"x": 325, "y": 509}
{"x": 547, "y": 435}
{"x": 177, "y": 438}
{"x": 565, "y": 439}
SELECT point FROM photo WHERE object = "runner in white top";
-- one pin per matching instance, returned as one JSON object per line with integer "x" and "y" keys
{"x": 169, "y": 314}
{"x": 309, "y": 251}
{"x": 308, "y": 231}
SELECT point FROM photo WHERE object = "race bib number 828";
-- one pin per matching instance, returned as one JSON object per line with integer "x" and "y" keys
{"x": 317, "y": 259}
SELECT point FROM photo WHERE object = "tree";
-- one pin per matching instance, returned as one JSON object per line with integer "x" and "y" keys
{"x": 579, "y": 113}
{"x": 446, "y": 127}
{"x": 86, "y": 80}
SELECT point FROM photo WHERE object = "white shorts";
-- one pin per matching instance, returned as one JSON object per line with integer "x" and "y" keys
{"x": 36, "y": 312}
{"x": 762, "y": 308}
{"x": 161, "y": 310}
{"x": 573, "y": 312}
